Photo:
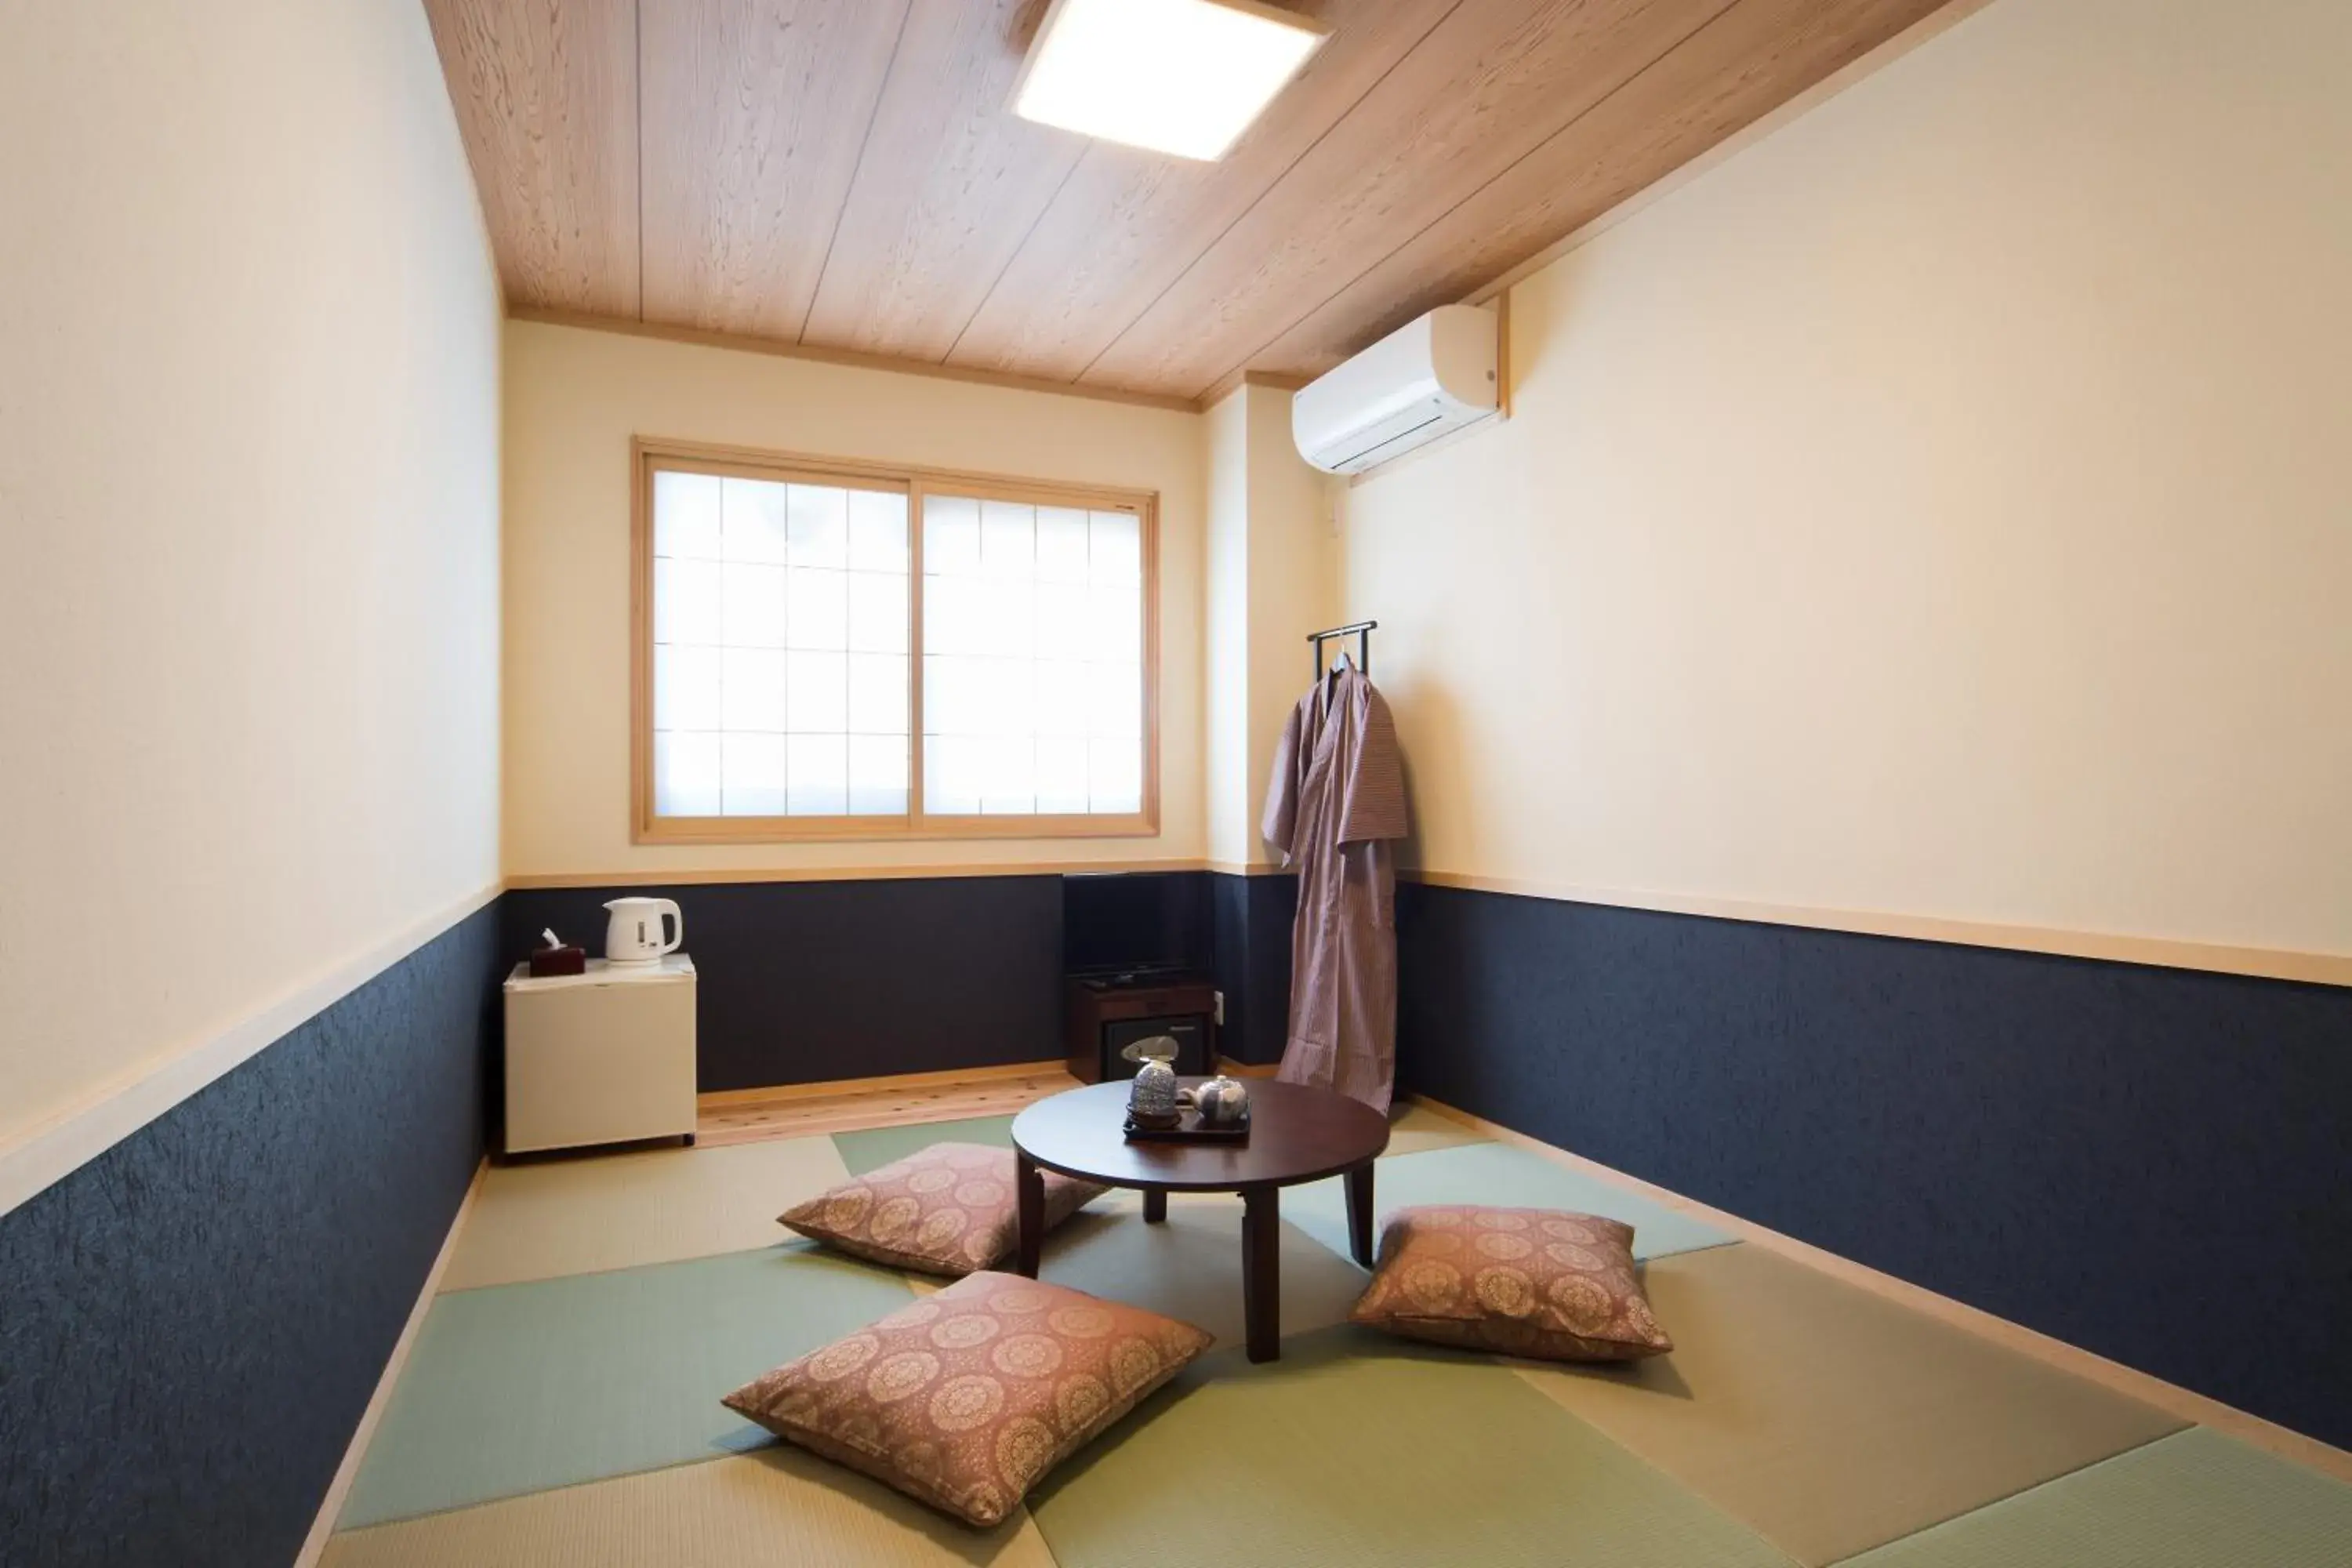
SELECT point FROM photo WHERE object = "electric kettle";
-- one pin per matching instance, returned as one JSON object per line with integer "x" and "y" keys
{"x": 635, "y": 938}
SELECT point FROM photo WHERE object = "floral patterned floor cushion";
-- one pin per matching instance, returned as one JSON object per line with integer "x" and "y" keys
{"x": 947, "y": 1209}
{"x": 968, "y": 1398}
{"x": 1539, "y": 1283}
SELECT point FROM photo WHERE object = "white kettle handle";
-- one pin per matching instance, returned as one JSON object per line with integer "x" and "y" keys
{"x": 676, "y": 918}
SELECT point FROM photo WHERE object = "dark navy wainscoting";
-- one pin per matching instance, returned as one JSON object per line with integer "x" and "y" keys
{"x": 192, "y": 1323}
{"x": 2152, "y": 1163}
{"x": 1252, "y": 918}
{"x": 811, "y": 981}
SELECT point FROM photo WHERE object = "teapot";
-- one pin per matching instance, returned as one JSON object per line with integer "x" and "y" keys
{"x": 1151, "y": 1100}
{"x": 1221, "y": 1101}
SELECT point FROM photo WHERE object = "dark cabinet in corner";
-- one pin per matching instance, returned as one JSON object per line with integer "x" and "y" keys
{"x": 1107, "y": 1013}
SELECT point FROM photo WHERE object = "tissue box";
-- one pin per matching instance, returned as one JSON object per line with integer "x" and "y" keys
{"x": 549, "y": 961}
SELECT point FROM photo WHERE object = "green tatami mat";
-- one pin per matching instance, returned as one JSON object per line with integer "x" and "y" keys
{"x": 1493, "y": 1174}
{"x": 1189, "y": 1267}
{"x": 542, "y": 1218}
{"x": 2195, "y": 1500}
{"x": 517, "y": 1388}
{"x": 1413, "y": 1128}
{"x": 876, "y": 1147}
{"x": 1831, "y": 1419}
{"x": 1354, "y": 1451}
{"x": 780, "y": 1508}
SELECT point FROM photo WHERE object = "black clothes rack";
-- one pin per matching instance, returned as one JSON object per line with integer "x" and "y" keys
{"x": 1361, "y": 630}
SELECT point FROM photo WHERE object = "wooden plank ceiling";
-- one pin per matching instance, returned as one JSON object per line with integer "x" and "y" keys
{"x": 846, "y": 175}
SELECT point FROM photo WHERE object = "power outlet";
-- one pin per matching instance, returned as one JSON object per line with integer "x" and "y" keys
{"x": 1218, "y": 1009}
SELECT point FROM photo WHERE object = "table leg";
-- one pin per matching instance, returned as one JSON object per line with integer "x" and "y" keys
{"x": 1360, "y": 1213}
{"x": 1155, "y": 1205}
{"x": 1029, "y": 1183}
{"x": 1262, "y": 1270}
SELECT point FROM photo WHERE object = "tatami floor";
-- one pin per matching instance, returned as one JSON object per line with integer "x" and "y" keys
{"x": 559, "y": 1405}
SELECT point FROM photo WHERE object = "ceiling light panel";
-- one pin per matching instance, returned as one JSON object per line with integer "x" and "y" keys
{"x": 1185, "y": 77}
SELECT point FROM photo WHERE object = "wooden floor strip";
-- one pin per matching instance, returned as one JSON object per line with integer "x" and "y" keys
{"x": 739, "y": 1117}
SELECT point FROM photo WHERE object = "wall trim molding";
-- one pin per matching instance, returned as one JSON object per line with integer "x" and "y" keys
{"x": 2164, "y": 952}
{"x": 706, "y": 876}
{"x": 2130, "y": 1382}
{"x": 331, "y": 1506}
{"x": 36, "y": 1158}
{"x": 850, "y": 358}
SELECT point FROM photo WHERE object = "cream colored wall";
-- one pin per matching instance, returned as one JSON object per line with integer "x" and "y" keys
{"x": 248, "y": 486}
{"x": 576, "y": 397}
{"x": 1293, "y": 557}
{"x": 1942, "y": 506}
{"x": 1227, "y": 728}
{"x": 1272, "y": 559}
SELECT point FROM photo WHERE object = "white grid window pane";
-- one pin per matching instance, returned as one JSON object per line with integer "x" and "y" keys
{"x": 752, "y": 614}
{"x": 1008, "y": 541}
{"x": 752, "y": 780}
{"x": 687, "y": 688}
{"x": 1064, "y": 687}
{"x": 877, "y": 694}
{"x": 1115, "y": 701}
{"x": 1032, "y": 644}
{"x": 1114, "y": 776}
{"x": 950, "y": 537}
{"x": 877, "y": 532}
{"x": 951, "y": 775}
{"x": 753, "y": 690}
{"x": 816, "y": 609}
{"x": 685, "y": 515}
{"x": 1061, "y": 774}
{"x": 1065, "y": 620}
{"x": 686, "y": 600}
{"x": 817, "y": 696}
{"x": 820, "y": 526}
{"x": 685, "y": 774}
{"x": 820, "y": 776}
{"x": 877, "y": 775}
{"x": 878, "y": 612}
{"x": 1008, "y": 776}
{"x": 755, "y": 521}
{"x": 754, "y": 681}
{"x": 1114, "y": 548}
{"x": 1061, "y": 544}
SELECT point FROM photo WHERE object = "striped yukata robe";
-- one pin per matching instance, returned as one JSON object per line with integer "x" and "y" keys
{"x": 1333, "y": 808}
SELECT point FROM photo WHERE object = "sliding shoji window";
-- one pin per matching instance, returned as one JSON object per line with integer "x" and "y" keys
{"x": 802, "y": 624}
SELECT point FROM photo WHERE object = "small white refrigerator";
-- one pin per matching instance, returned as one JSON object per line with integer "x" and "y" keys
{"x": 601, "y": 1057}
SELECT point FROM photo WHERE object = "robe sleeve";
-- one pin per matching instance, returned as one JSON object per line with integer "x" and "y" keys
{"x": 1375, "y": 784}
{"x": 1280, "y": 826}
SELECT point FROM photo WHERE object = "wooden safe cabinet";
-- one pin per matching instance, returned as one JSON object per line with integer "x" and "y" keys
{"x": 1107, "y": 1012}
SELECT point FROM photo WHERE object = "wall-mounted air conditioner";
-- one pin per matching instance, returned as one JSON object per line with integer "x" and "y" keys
{"x": 1426, "y": 378}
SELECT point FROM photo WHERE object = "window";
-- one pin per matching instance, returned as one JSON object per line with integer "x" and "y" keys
{"x": 832, "y": 650}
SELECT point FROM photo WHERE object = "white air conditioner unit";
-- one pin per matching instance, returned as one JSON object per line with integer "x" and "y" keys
{"x": 1429, "y": 376}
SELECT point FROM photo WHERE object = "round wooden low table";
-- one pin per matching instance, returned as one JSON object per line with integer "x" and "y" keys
{"x": 1296, "y": 1134}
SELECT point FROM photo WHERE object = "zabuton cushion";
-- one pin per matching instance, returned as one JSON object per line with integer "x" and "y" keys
{"x": 1526, "y": 1283}
{"x": 968, "y": 1398}
{"x": 947, "y": 1209}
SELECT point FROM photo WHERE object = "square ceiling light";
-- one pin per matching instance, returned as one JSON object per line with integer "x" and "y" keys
{"x": 1185, "y": 77}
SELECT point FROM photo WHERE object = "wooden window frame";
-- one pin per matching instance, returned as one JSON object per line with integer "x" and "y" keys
{"x": 649, "y": 456}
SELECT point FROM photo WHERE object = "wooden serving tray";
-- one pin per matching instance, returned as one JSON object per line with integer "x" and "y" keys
{"x": 1188, "y": 1129}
